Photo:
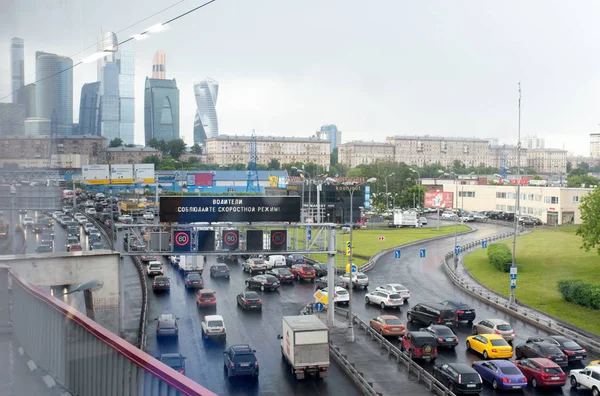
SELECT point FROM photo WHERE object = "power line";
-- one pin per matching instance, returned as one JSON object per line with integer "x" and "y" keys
{"x": 122, "y": 42}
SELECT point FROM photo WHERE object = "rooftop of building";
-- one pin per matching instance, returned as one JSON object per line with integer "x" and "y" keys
{"x": 222, "y": 175}
{"x": 161, "y": 83}
{"x": 268, "y": 138}
{"x": 438, "y": 138}
{"x": 125, "y": 149}
{"x": 365, "y": 143}
{"x": 59, "y": 137}
{"x": 554, "y": 150}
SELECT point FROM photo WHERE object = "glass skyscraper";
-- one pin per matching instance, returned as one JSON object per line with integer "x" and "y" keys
{"x": 331, "y": 133}
{"x": 89, "y": 109}
{"x": 161, "y": 109}
{"x": 17, "y": 67}
{"x": 54, "y": 89}
{"x": 206, "y": 123}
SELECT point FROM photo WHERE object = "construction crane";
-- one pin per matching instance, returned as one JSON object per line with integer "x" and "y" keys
{"x": 252, "y": 182}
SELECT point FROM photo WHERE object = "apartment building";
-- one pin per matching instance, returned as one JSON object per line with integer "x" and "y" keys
{"x": 357, "y": 153}
{"x": 595, "y": 145}
{"x": 232, "y": 149}
{"x": 547, "y": 161}
{"x": 129, "y": 155}
{"x": 15, "y": 149}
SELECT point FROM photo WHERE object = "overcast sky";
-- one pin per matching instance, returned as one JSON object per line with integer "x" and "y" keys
{"x": 375, "y": 69}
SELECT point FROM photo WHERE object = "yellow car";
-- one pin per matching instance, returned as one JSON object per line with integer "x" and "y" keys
{"x": 594, "y": 363}
{"x": 492, "y": 346}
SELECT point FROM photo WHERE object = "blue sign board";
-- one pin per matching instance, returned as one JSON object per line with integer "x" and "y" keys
{"x": 367, "y": 197}
{"x": 513, "y": 276}
{"x": 513, "y": 283}
{"x": 182, "y": 241}
{"x": 422, "y": 253}
{"x": 397, "y": 254}
{"x": 354, "y": 268}
{"x": 309, "y": 233}
{"x": 457, "y": 249}
{"x": 484, "y": 244}
{"x": 319, "y": 306}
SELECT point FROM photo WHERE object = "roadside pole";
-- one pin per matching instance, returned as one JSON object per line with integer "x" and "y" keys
{"x": 331, "y": 277}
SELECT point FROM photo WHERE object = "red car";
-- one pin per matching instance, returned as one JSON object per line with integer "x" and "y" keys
{"x": 76, "y": 247}
{"x": 303, "y": 272}
{"x": 541, "y": 372}
{"x": 206, "y": 298}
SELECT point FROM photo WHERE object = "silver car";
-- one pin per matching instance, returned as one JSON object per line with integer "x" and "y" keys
{"x": 358, "y": 280}
{"x": 255, "y": 265}
{"x": 495, "y": 326}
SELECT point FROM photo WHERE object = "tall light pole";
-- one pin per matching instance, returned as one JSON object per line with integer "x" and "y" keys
{"x": 418, "y": 183}
{"x": 455, "y": 176}
{"x": 387, "y": 197}
{"x": 181, "y": 163}
{"x": 350, "y": 332}
{"x": 518, "y": 198}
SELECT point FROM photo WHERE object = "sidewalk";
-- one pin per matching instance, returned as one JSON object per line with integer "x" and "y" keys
{"x": 132, "y": 300}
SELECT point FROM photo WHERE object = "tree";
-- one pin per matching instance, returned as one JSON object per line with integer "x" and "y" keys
{"x": 176, "y": 147}
{"x": 355, "y": 172}
{"x": 537, "y": 177}
{"x": 196, "y": 149}
{"x": 153, "y": 143}
{"x": 151, "y": 159}
{"x": 569, "y": 166}
{"x": 334, "y": 157}
{"x": 589, "y": 230}
{"x": 578, "y": 180}
{"x": 274, "y": 164}
{"x": 116, "y": 142}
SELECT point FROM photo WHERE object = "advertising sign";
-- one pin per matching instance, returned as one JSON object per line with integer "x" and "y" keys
{"x": 95, "y": 174}
{"x": 253, "y": 209}
{"x": 282, "y": 182}
{"x": 435, "y": 199}
{"x": 121, "y": 174}
{"x": 182, "y": 241}
{"x": 165, "y": 177}
{"x": 206, "y": 240}
{"x": 230, "y": 240}
{"x": 144, "y": 172}
{"x": 273, "y": 181}
{"x": 278, "y": 240}
{"x": 200, "y": 179}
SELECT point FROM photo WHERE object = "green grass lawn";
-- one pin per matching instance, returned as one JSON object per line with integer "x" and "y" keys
{"x": 366, "y": 242}
{"x": 544, "y": 257}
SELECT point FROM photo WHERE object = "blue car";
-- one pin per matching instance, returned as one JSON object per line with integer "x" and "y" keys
{"x": 502, "y": 374}
{"x": 463, "y": 311}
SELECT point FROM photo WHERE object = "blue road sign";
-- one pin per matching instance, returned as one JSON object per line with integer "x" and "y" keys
{"x": 513, "y": 283}
{"x": 422, "y": 253}
{"x": 309, "y": 233}
{"x": 457, "y": 249}
{"x": 513, "y": 276}
{"x": 319, "y": 306}
{"x": 484, "y": 244}
{"x": 397, "y": 254}
{"x": 354, "y": 268}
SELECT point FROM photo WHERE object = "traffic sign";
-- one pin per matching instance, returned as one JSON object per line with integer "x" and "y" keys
{"x": 354, "y": 268}
{"x": 397, "y": 254}
{"x": 231, "y": 240}
{"x": 422, "y": 253}
{"x": 182, "y": 241}
{"x": 513, "y": 276}
{"x": 484, "y": 244}
{"x": 309, "y": 233}
{"x": 348, "y": 248}
{"x": 513, "y": 270}
{"x": 457, "y": 249}
{"x": 320, "y": 297}
{"x": 319, "y": 306}
{"x": 513, "y": 283}
{"x": 382, "y": 238}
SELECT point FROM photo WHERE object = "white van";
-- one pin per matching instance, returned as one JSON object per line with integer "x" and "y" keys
{"x": 276, "y": 260}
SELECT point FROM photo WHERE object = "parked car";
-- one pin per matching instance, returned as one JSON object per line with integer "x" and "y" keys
{"x": 193, "y": 280}
{"x": 388, "y": 326}
{"x": 448, "y": 216}
{"x": 494, "y": 326}
{"x": 432, "y": 313}
{"x": 219, "y": 270}
{"x": 174, "y": 360}
{"x": 358, "y": 280}
{"x": 492, "y": 346}
{"x": 264, "y": 282}
{"x": 249, "y": 300}
{"x": 541, "y": 372}
{"x": 588, "y": 378}
{"x": 502, "y": 374}
{"x": 206, "y": 298}
{"x": 534, "y": 348}
{"x": 154, "y": 268}
{"x": 283, "y": 274}
{"x": 213, "y": 326}
{"x": 384, "y": 299}
{"x": 398, "y": 288}
{"x": 464, "y": 311}
{"x": 255, "y": 265}
{"x": 239, "y": 360}
{"x": 460, "y": 378}
{"x": 479, "y": 216}
{"x": 303, "y": 272}
{"x": 570, "y": 348}
{"x": 341, "y": 295}
{"x": 166, "y": 326}
{"x": 320, "y": 269}
{"x": 423, "y": 220}
{"x": 276, "y": 260}
{"x": 161, "y": 283}
{"x": 444, "y": 336}
{"x": 419, "y": 345}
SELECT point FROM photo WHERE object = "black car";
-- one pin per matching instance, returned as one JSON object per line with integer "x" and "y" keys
{"x": 37, "y": 228}
{"x": 193, "y": 280}
{"x": 283, "y": 274}
{"x": 570, "y": 348}
{"x": 264, "y": 282}
{"x": 43, "y": 249}
{"x": 463, "y": 310}
{"x": 249, "y": 300}
{"x": 219, "y": 270}
{"x": 541, "y": 349}
{"x": 174, "y": 360}
{"x": 458, "y": 377}
{"x": 320, "y": 269}
{"x": 239, "y": 360}
{"x": 166, "y": 326}
{"x": 432, "y": 313}
{"x": 73, "y": 230}
{"x": 161, "y": 283}
{"x": 97, "y": 245}
{"x": 444, "y": 336}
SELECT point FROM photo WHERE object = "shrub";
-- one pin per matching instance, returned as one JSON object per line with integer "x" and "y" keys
{"x": 580, "y": 293}
{"x": 500, "y": 256}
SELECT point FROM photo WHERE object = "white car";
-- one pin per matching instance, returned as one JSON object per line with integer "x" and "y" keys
{"x": 384, "y": 299}
{"x": 479, "y": 216}
{"x": 56, "y": 215}
{"x": 89, "y": 203}
{"x": 125, "y": 218}
{"x": 276, "y": 260}
{"x": 423, "y": 220}
{"x": 174, "y": 260}
{"x": 27, "y": 221}
{"x": 358, "y": 280}
{"x": 448, "y": 216}
{"x": 395, "y": 288}
{"x": 213, "y": 326}
{"x": 90, "y": 211}
{"x": 155, "y": 268}
{"x": 100, "y": 196}
{"x": 588, "y": 378}
{"x": 148, "y": 216}
{"x": 87, "y": 227}
{"x": 341, "y": 295}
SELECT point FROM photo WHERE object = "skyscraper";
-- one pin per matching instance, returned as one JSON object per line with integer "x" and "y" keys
{"x": 54, "y": 89}
{"x": 161, "y": 109}
{"x": 89, "y": 109}
{"x": 206, "y": 123}
{"x": 126, "y": 63}
{"x": 159, "y": 65}
{"x": 331, "y": 133}
{"x": 27, "y": 98}
{"x": 17, "y": 67}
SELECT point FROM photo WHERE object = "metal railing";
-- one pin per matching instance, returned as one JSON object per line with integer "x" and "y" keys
{"x": 83, "y": 356}
{"x": 365, "y": 386}
{"x": 520, "y": 311}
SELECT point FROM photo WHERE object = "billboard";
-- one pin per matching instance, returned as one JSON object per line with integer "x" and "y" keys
{"x": 145, "y": 172}
{"x": 95, "y": 174}
{"x": 436, "y": 199}
{"x": 229, "y": 209}
{"x": 121, "y": 174}
{"x": 200, "y": 179}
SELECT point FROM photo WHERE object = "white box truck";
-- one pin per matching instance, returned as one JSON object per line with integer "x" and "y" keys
{"x": 305, "y": 345}
{"x": 191, "y": 263}
{"x": 405, "y": 219}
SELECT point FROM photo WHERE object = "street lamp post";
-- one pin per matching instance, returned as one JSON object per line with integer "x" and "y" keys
{"x": 418, "y": 182}
{"x": 518, "y": 199}
{"x": 455, "y": 176}
{"x": 387, "y": 197}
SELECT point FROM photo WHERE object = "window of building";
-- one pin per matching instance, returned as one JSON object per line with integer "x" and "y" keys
{"x": 500, "y": 207}
{"x": 500, "y": 195}
{"x": 468, "y": 194}
{"x": 510, "y": 208}
{"x": 551, "y": 200}
{"x": 538, "y": 197}
{"x": 575, "y": 198}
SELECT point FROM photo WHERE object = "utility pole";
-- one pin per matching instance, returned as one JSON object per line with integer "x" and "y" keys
{"x": 517, "y": 200}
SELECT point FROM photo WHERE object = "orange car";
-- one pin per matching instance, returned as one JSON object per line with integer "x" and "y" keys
{"x": 206, "y": 298}
{"x": 388, "y": 325}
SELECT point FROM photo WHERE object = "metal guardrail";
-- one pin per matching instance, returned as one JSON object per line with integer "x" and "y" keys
{"x": 364, "y": 386}
{"x": 519, "y": 310}
{"x": 431, "y": 383}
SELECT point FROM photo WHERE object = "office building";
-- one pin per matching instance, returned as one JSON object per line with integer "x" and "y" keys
{"x": 595, "y": 145}
{"x": 357, "y": 153}
{"x": 228, "y": 149}
{"x": 89, "y": 109}
{"x": 206, "y": 123}
{"x": 126, "y": 63}
{"x": 547, "y": 161}
{"x": 12, "y": 119}
{"x": 533, "y": 142}
{"x": 331, "y": 133}
{"x": 37, "y": 148}
{"x": 159, "y": 65}
{"x": 54, "y": 89}
{"x": 129, "y": 155}
{"x": 161, "y": 109}
{"x": 27, "y": 99}
{"x": 17, "y": 68}
{"x": 37, "y": 127}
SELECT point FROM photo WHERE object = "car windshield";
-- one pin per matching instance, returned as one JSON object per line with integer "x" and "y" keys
{"x": 421, "y": 341}
{"x": 174, "y": 362}
{"x": 161, "y": 279}
{"x": 444, "y": 332}
{"x": 222, "y": 268}
{"x": 571, "y": 345}
{"x": 467, "y": 378}
{"x": 206, "y": 295}
{"x": 154, "y": 266}
{"x": 399, "y": 287}
{"x": 504, "y": 327}
{"x": 194, "y": 277}
{"x": 510, "y": 370}
{"x": 258, "y": 261}
{"x": 167, "y": 324}
{"x": 395, "y": 296}
{"x": 342, "y": 292}
{"x": 361, "y": 276}
{"x": 252, "y": 296}
{"x": 284, "y": 271}
{"x": 499, "y": 342}
{"x": 551, "y": 350}
{"x": 553, "y": 370}
{"x": 215, "y": 323}
{"x": 393, "y": 321}
{"x": 270, "y": 278}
